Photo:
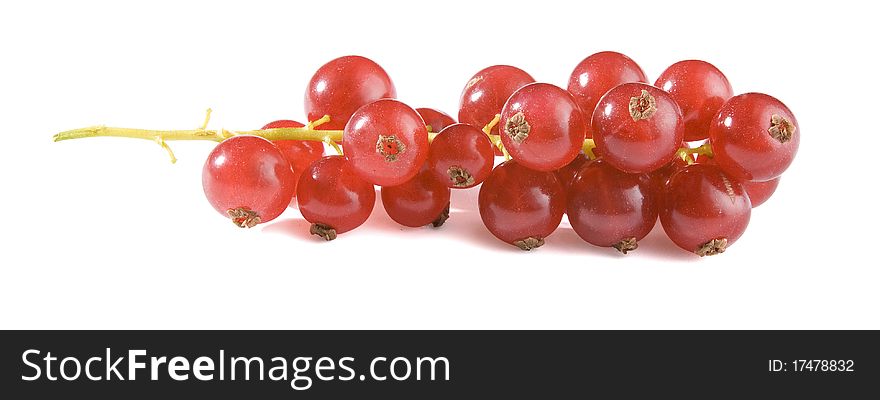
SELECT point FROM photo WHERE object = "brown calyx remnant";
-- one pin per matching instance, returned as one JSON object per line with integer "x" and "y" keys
{"x": 625, "y": 245}
{"x": 460, "y": 177}
{"x": 243, "y": 217}
{"x": 390, "y": 147}
{"x": 712, "y": 247}
{"x": 444, "y": 215}
{"x": 529, "y": 243}
{"x": 473, "y": 82}
{"x": 729, "y": 188}
{"x": 517, "y": 127}
{"x": 781, "y": 129}
{"x": 324, "y": 231}
{"x": 642, "y": 106}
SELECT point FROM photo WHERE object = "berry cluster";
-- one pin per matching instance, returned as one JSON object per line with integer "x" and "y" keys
{"x": 612, "y": 152}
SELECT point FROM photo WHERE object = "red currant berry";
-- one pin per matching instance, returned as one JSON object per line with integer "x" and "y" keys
{"x": 300, "y": 153}
{"x": 419, "y": 201}
{"x": 342, "y": 86}
{"x": 610, "y": 208}
{"x": 521, "y": 206}
{"x": 700, "y": 90}
{"x": 485, "y": 94}
{"x": 596, "y": 75}
{"x": 386, "y": 142}
{"x": 760, "y": 192}
{"x": 435, "y": 120}
{"x": 333, "y": 198}
{"x": 660, "y": 176}
{"x": 704, "y": 210}
{"x": 542, "y": 127}
{"x": 754, "y": 137}
{"x": 461, "y": 156}
{"x": 637, "y": 127}
{"x": 247, "y": 179}
{"x": 567, "y": 173}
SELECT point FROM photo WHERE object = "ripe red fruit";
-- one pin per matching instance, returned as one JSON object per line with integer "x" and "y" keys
{"x": 704, "y": 210}
{"x": 610, "y": 208}
{"x": 300, "y": 153}
{"x": 596, "y": 75}
{"x": 247, "y": 179}
{"x": 461, "y": 156}
{"x": 436, "y": 120}
{"x": 660, "y": 176}
{"x": 419, "y": 201}
{"x": 343, "y": 85}
{"x": 567, "y": 173}
{"x": 542, "y": 127}
{"x": 333, "y": 198}
{"x": 485, "y": 94}
{"x": 760, "y": 192}
{"x": 521, "y": 206}
{"x": 386, "y": 142}
{"x": 637, "y": 127}
{"x": 754, "y": 137}
{"x": 700, "y": 90}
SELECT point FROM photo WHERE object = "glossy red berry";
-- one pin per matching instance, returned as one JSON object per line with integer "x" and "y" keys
{"x": 610, "y": 208}
{"x": 700, "y": 90}
{"x": 333, "y": 198}
{"x": 343, "y": 85}
{"x": 567, "y": 173}
{"x": 461, "y": 156}
{"x": 487, "y": 91}
{"x": 386, "y": 142}
{"x": 596, "y": 75}
{"x": 660, "y": 176}
{"x": 247, "y": 179}
{"x": 704, "y": 210}
{"x": 760, "y": 192}
{"x": 542, "y": 127}
{"x": 435, "y": 120}
{"x": 521, "y": 206}
{"x": 637, "y": 127}
{"x": 419, "y": 201}
{"x": 754, "y": 137}
{"x": 300, "y": 153}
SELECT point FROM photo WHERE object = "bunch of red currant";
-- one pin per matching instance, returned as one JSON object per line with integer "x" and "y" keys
{"x": 612, "y": 152}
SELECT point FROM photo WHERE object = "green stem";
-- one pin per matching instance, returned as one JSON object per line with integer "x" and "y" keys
{"x": 588, "y": 146}
{"x": 687, "y": 153}
{"x": 216, "y": 135}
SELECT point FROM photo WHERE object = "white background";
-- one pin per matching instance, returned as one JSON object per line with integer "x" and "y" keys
{"x": 106, "y": 233}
